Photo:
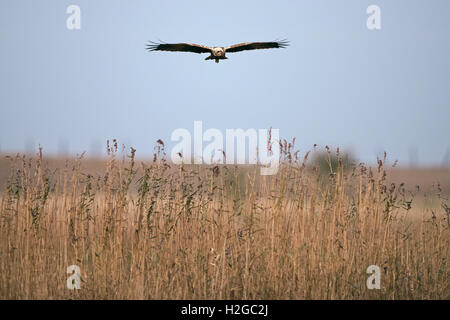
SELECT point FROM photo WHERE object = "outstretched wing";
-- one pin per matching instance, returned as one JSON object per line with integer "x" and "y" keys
{"x": 257, "y": 45}
{"x": 182, "y": 47}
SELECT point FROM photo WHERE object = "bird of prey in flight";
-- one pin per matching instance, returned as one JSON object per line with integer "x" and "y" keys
{"x": 216, "y": 53}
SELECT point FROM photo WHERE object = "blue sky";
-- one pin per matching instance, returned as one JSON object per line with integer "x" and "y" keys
{"x": 338, "y": 83}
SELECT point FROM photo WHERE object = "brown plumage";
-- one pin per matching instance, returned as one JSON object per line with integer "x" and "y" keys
{"x": 256, "y": 45}
{"x": 183, "y": 47}
{"x": 216, "y": 53}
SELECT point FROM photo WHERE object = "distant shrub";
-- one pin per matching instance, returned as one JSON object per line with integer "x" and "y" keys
{"x": 327, "y": 162}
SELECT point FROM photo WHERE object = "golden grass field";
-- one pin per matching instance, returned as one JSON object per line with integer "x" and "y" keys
{"x": 154, "y": 230}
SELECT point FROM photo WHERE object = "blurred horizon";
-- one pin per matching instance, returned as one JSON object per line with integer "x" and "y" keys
{"x": 101, "y": 155}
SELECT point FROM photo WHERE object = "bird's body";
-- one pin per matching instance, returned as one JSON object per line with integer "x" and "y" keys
{"x": 216, "y": 53}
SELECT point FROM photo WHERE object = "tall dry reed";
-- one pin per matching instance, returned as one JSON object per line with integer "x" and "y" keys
{"x": 160, "y": 231}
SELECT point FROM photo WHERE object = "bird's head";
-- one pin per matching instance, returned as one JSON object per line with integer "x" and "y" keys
{"x": 218, "y": 51}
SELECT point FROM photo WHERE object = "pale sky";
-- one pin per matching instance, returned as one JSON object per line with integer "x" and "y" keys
{"x": 338, "y": 83}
